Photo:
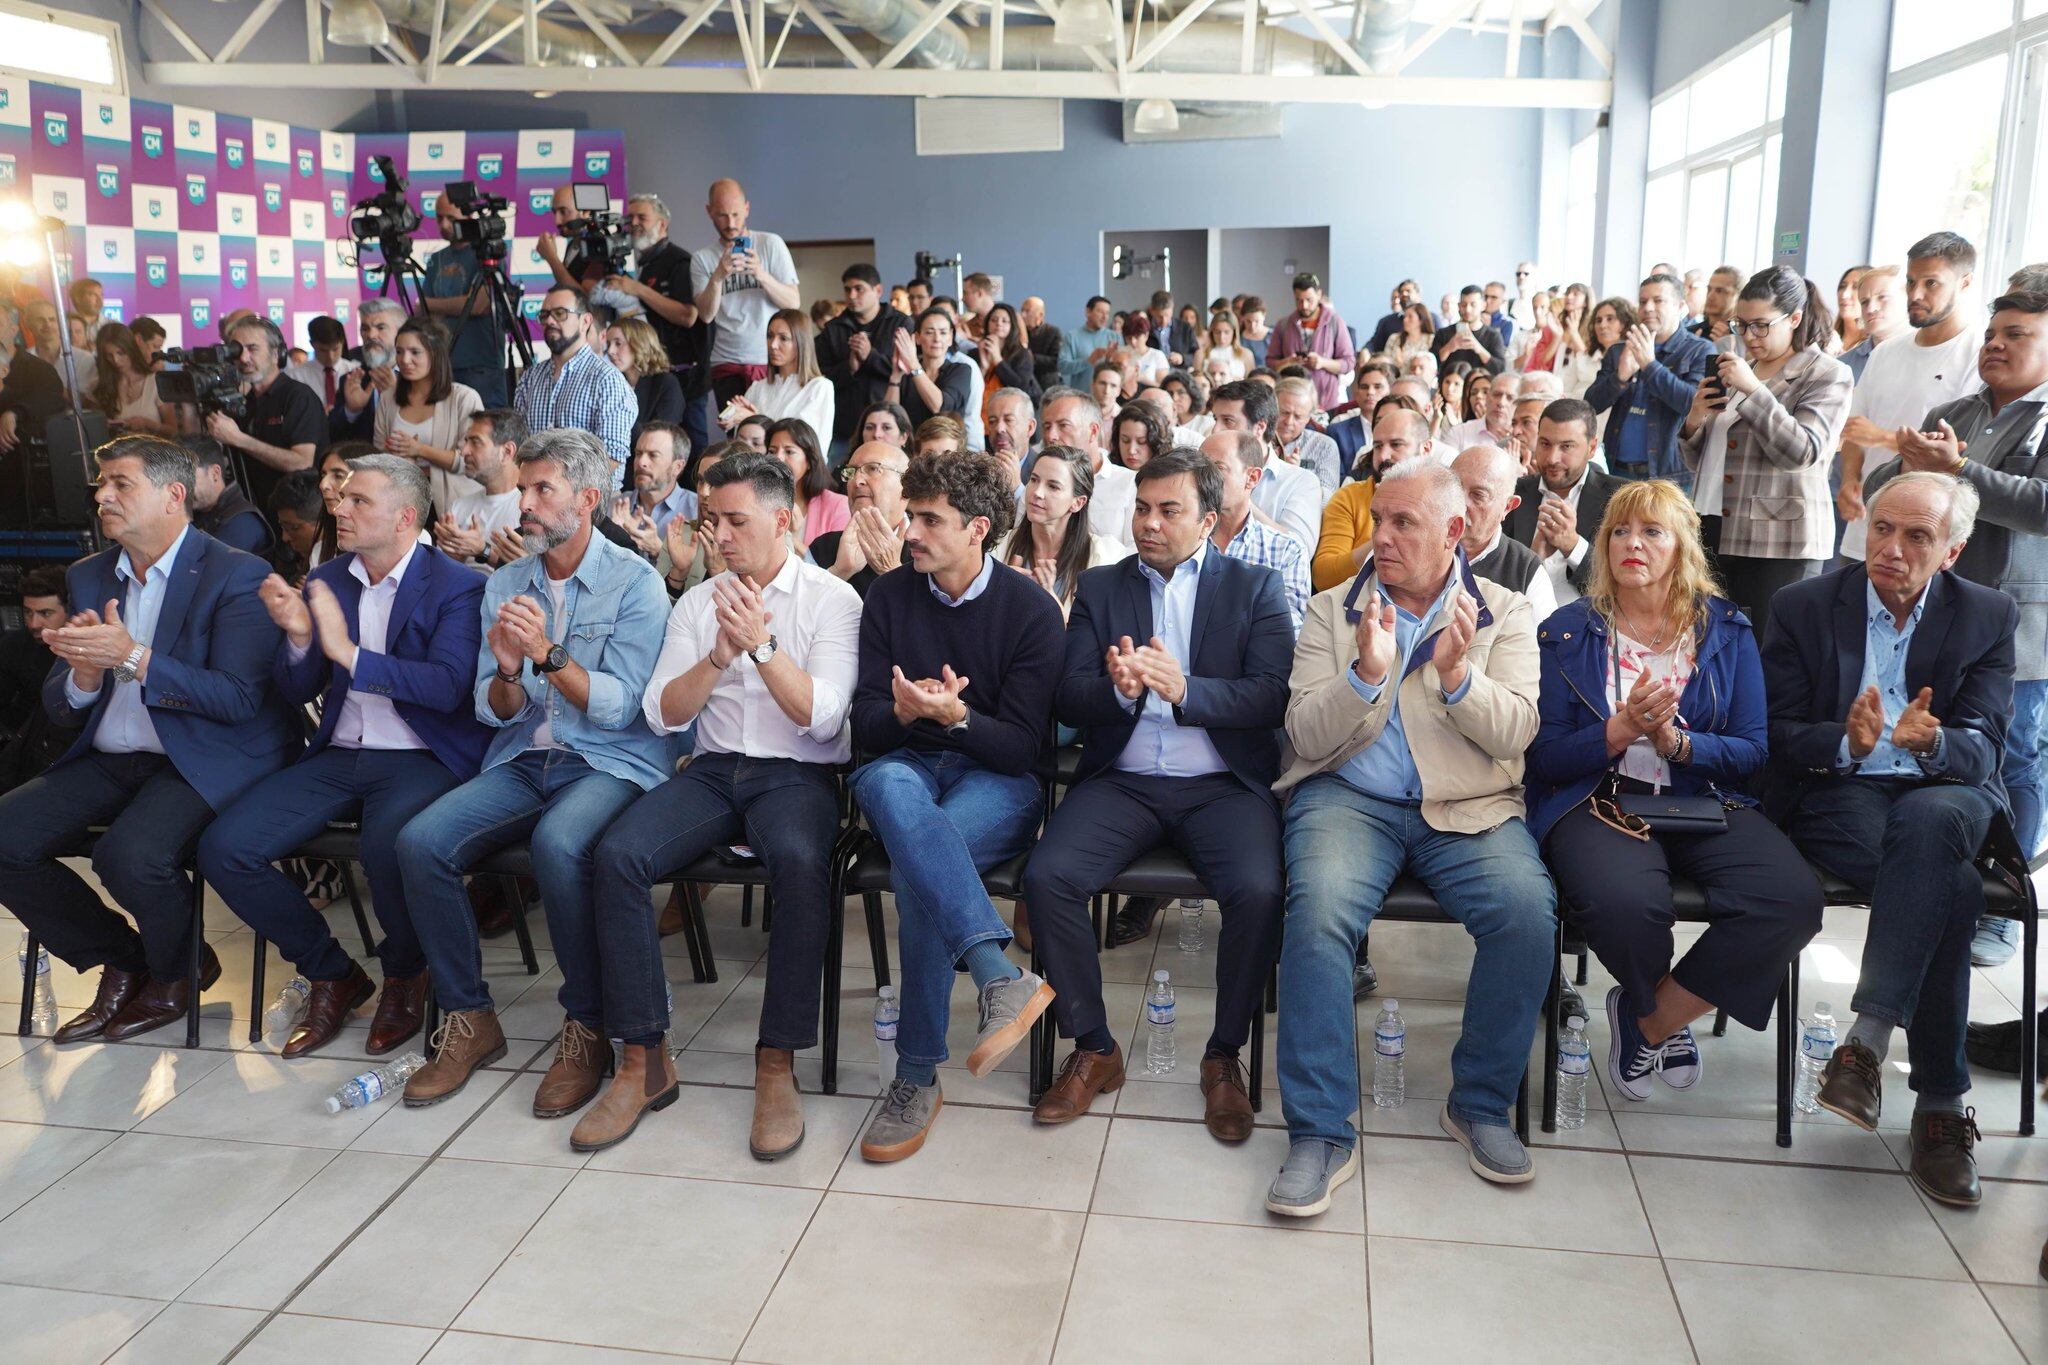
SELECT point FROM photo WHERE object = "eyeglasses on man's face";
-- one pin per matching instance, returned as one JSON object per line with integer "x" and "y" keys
{"x": 560, "y": 314}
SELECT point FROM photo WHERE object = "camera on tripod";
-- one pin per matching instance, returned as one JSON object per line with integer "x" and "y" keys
{"x": 602, "y": 233}
{"x": 386, "y": 217}
{"x": 482, "y": 225}
{"x": 207, "y": 377}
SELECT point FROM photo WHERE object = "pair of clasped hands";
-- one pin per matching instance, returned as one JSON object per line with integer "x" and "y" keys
{"x": 1378, "y": 646}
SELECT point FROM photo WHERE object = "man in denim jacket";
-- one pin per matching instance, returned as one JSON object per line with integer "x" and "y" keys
{"x": 1647, "y": 379}
{"x": 571, "y": 633}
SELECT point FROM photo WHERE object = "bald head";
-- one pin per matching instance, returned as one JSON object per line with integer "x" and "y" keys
{"x": 1487, "y": 474}
{"x": 1032, "y": 312}
{"x": 727, "y": 208}
{"x": 874, "y": 478}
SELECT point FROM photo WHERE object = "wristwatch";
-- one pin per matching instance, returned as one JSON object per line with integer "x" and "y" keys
{"x": 959, "y": 727}
{"x": 555, "y": 662}
{"x": 763, "y": 652}
{"x": 125, "y": 670}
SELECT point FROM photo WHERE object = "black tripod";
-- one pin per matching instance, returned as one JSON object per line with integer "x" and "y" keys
{"x": 492, "y": 283}
{"x": 400, "y": 272}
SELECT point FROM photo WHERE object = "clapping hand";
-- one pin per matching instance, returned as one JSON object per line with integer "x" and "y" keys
{"x": 1046, "y": 573}
{"x": 1650, "y": 705}
{"x": 465, "y": 541}
{"x": 1638, "y": 348}
{"x": 287, "y": 610}
{"x": 83, "y": 673}
{"x": 881, "y": 544}
{"x": 906, "y": 355}
{"x": 1161, "y": 672}
{"x": 1918, "y": 731}
{"x": 402, "y": 444}
{"x": 1938, "y": 451}
{"x": 858, "y": 348}
{"x": 1865, "y": 723}
{"x": 91, "y": 642}
{"x": 1376, "y": 644}
{"x": 681, "y": 537}
{"x": 1556, "y": 525}
{"x": 1121, "y": 662}
{"x": 330, "y": 622}
{"x": 742, "y": 619}
{"x": 506, "y": 545}
{"x": 1454, "y": 641}
{"x": 933, "y": 699}
{"x": 526, "y": 626}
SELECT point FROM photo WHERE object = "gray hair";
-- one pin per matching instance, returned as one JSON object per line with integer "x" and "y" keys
{"x": 660, "y": 209}
{"x": 164, "y": 462}
{"x": 2028, "y": 279}
{"x": 271, "y": 334}
{"x": 1061, "y": 391}
{"x": 1539, "y": 384}
{"x": 1962, "y": 496}
{"x": 581, "y": 455}
{"x": 1441, "y": 485}
{"x": 1016, "y": 393}
{"x": 407, "y": 479}
{"x": 1297, "y": 386}
{"x": 372, "y": 307}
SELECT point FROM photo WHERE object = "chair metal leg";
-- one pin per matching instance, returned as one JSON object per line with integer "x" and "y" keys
{"x": 878, "y": 935}
{"x": 256, "y": 967}
{"x": 1040, "y": 1043}
{"x": 28, "y": 986}
{"x": 1256, "y": 1072}
{"x": 432, "y": 1024}
{"x": 746, "y": 907}
{"x": 355, "y": 903}
{"x": 767, "y": 909}
{"x": 1579, "y": 979}
{"x": 692, "y": 911}
{"x": 519, "y": 928}
{"x": 2030, "y": 940}
{"x": 1720, "y": 1023}
{"x": 1522, "y": 1107}
{"x": 1549, "y": 1026}
{"x": 1788, "y": 1043}
{"x": 835, "y": 955}
{"x": 198, "y": 956}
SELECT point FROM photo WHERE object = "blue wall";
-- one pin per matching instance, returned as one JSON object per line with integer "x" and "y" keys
{"x": 1445, "y": 195}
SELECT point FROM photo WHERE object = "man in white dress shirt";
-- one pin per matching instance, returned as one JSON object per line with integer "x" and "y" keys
{"x": 761, "y": 660}
{"x": 1288, "y": 497}
{"x": 1560, "y": 506}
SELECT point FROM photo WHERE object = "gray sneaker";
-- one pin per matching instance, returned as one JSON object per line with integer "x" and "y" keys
{"x": 1008, "y": 1010}
{"x": 1495, "y": 1153}
{"x": 1311, "y": 1174}
{"x": 901, "y": 1124}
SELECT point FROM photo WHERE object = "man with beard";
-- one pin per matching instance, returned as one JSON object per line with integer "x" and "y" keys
{"x": 571, "y": 633}
{"x": 354, "y": 415}
{"x": 1560, "y": 506}
{"x": 474, "y": 349}
{"x": 577, "y": 387}
{"x": 1011, "y": 425}
{"x": 280, "y": 430}
{"x": 663, "y": 287}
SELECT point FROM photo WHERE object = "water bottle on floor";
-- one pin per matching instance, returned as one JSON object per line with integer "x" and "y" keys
{"x": 1159, "y": 1049}
{"x": 1574, "y": 1064}
{"x": 1389, "y": 1057}
{"x": 888, "y": 1009}
{"x": 43, "y": 1013}
{"x": 1816, "y": 1048}
{"x": 284, "y": 1012}
{"x": 365, "y": 1090}
{"x": 1191, "y": 926}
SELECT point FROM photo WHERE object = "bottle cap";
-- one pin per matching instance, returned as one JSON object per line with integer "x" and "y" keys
{"x": 1393, "y": 1005}
{"x": 1160, "y": 976}
{"x": 1821, "y": 1007}
{"x": 1577, "y": 1021}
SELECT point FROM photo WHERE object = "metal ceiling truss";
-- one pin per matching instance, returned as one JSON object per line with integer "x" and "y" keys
{"x": 1252, "y": 51}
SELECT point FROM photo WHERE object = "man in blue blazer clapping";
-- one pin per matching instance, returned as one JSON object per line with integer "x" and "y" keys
{"x": 385, "y": 637}
{"x": 165, "y": 663}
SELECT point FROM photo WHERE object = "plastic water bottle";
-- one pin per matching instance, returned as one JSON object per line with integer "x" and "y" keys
{"x": 1574, "y": 1064}
{"x": 43, "y": 1013}
{"x": 1191, "y": 926}
{"x": 1389, "y": 1057}
{"x": 888, "y": 1009}
{"x": 365, "y": 1090}
{"x": 1159, "y": 1048}
{"x": 284, "y": 1012}
{"x": 1816, "y": 1049}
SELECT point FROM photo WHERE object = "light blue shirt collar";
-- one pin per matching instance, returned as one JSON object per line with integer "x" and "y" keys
{"x": 974, "y": 589}
{"x": 124, "y": 568}
{"x": 1191, "y": 567}
{"x": 1879, "y": 611}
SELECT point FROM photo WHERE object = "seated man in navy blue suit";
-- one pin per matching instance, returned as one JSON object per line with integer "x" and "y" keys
{"x": 385, "y": 636}
{"x": 165, "y": 662}
{"x": 1890, "y": 685}
{"x": 1176, "y": 674}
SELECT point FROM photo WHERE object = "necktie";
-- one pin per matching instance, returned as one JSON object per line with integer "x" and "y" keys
{"x": 328, "y": 370}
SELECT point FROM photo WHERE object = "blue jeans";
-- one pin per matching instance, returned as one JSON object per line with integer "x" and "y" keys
{"x": 561, "y": 806}
{"x": 1911, "y": 848}
{"x": 945, "y": 820}
{"x": 2021, "y": 768}
{"x": 1344, "y": 849}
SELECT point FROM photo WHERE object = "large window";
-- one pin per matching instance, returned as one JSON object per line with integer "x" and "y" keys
{"x": 75, "y": 49}
{"x": 1581, "y": 207}
{"x": 1963, "y": 146}
{"x": 1714, "y": 141}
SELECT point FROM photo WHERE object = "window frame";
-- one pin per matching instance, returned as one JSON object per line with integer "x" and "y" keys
{"x": 1724, "y": 153}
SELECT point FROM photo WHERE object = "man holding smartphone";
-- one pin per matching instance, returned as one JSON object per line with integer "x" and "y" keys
{"x": 740, "y": 282}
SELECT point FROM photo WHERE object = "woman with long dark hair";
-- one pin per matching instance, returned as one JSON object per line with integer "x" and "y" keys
{"x": 428, "y": 411}
{"x": 818, "y": 507}
{"x": 123, "y": 386}
{"x": 1005, "y": 359}
{"x": 1138, "y": 434}
{"x": 883, "y": 422}
{"x": 1052, "y": 543}
{"x": 636, "y": 352}
{"x": 794, "y": 387}
{"x": 926, "y": 380}
{"x": 1763, "y": 426}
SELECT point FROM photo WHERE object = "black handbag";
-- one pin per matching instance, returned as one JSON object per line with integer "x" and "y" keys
{"x": 1667, "y": 814}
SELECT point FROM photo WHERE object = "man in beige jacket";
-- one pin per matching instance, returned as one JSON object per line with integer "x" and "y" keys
{"x": 1412, "y": 698}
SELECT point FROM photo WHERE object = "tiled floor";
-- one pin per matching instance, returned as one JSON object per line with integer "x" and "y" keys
{"x": 164, "y": 1205}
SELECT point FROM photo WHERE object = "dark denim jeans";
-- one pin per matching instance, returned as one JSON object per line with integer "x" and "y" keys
{"x": 788, "y": 813}
{"x": 945, "y": 820}
{"x": 1344, "y": 849}
{"x": 2021, "y": 767}
{"x": 561, "y": 806}
{"x": 1911, "y": 849}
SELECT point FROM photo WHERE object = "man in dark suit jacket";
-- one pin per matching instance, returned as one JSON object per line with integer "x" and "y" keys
{"x": 1563, "y": 501}
{"x": 385, "y": 637}
{"x": 1176, "y": 673}
{"x": 172, "y": 686}
{"x": 1890, "y": 688}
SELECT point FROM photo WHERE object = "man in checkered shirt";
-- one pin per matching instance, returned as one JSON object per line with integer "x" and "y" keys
{"x": 577, "y": 387}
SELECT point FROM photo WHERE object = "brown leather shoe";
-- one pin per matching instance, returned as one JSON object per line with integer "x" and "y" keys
{"x": 646, "y": 1081}
{"x": 327, "y": 1009}
{"x": 671, "y": 921}
{"x": 582, "y": 1061}
{"x": 1942, "y": 1164}
{"x": 466, "y": 1042}
{"x": 161, "y": 1002}
{"x": 1229, "y": 1113}
{"x": 1083, "y": 1076}
{"x": 489, "y": 904}
{"x": 1851, "y": 1087}
{"x": 116, "y": 989}
{"x": 778, "y": 1109}
{"x": 399, "y": 1011}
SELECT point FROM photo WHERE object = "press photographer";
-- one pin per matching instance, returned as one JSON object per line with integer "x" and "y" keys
{"x": 282, "y": 427}
{"x": 572, "y": 260}
{"x": 663, "y": 287}
{"x": 476, "y": 350}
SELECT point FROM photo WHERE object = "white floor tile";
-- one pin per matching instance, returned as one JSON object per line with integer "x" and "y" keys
{"x": 2024, "y": 1311}
{"x": 704, "y": 1135}
{"x": 293, "y": 1340}
{"x": 2000, "y": 1239}
{"x": 57, "y": 1327}
{"x": 1176, "y": 1170}
{"x": 1813, "y": 1144}
{"x": 97, "y": 1085}
{"x": 34, "y": 1156}
{"x": 187, "y": 1334}
{"x": 1741, "y": 1313}
{"x": 474, "y": 1348}
{"x": 1579, "y": 1201}
{"x": 990, "y": 1156}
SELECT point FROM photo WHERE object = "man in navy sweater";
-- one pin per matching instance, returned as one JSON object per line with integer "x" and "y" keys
{"x": 958, "y": 660}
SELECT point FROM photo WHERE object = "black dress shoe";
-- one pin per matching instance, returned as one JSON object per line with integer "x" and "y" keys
{"x": 1850, "y": 1087}
{"x": 1996, "y": 1047}
{"x": 1134, "y": 919}
{"x": 116, "y": 989}
{"x": 1943, "y": 1166}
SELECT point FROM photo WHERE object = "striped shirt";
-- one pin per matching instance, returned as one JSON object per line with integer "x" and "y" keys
{"x": 585, "y": 391}
{"x": 1260, "y": 544}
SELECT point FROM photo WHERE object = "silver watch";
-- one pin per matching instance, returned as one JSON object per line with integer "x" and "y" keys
{"x": 125, "y": 670}
{"x": 959, "y": 727}
{"x": 763, "y": 652}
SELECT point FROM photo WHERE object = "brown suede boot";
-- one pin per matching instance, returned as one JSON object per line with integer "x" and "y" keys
{"x": 466, "y": 1042}
{"x": 646, "y": 1081}
{"x": 582, "y": 1061}
{"x": 778, "y": 1110}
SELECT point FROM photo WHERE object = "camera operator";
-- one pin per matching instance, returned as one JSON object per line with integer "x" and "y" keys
{"x": 475, "y": 349}
{"x": 740, "y": 283}
{"x": 354, "y": 417}
{"x": 663, "y": 287}
{"x": 574, "y": 266}
{"x": 282, "y": 428}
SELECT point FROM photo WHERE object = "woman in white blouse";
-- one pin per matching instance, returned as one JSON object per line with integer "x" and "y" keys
{"x": 429, "y": 411}
{"x": 123, "y": 386}
{"x": 793, "y": 388}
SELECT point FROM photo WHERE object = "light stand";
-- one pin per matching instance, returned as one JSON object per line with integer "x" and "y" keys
{"x": 1124, "y": 262}
{"x": 20, "y": 221}
{"x": 930, "y": 264}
